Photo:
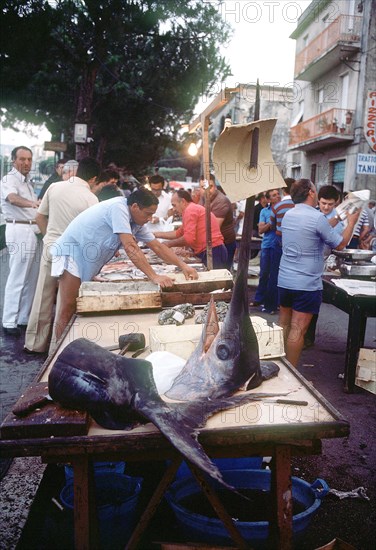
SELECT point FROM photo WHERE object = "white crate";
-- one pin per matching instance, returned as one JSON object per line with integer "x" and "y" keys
{"x": 183, "y": 340}
{"x": 366, "y": 370}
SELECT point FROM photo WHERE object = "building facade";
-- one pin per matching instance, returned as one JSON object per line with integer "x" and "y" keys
{"x": 332, "y": 133}
{"x": 275, "y": 102}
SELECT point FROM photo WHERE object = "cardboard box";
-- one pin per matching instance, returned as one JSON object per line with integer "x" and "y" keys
{"x": 183, "y": 340}
{"x": 365, "y": 376}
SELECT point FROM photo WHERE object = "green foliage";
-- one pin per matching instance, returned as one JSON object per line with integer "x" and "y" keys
{"x": 173, "y": 174}
{"x": 132, "y": 70}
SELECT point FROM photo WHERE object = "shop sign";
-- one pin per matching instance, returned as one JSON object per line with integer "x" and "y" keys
{"x": 370, "y": 121}
{"x": 366, "y": 164}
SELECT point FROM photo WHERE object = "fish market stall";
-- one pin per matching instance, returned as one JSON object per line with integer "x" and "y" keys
{"x": 294, "y": 424}
{"x": 357, "y": 298}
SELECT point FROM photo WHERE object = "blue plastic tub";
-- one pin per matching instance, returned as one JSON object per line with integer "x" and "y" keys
{"x": 116, "y": 498}
{"x": 99, "y": 467}
{"x": 199, "y": 528}
{"x": 248, "y": 463}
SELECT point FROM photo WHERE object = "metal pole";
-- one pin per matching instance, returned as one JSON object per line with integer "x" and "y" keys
{"x": 206, "y": 173}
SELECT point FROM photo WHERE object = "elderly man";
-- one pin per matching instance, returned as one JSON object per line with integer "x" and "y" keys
{"x": 92, "y": 239}
{"x": 305, "y": 232}
{"x": 193, "y": 231}
{"x": 63, "y": 201}
{"x": 19, "y": 204}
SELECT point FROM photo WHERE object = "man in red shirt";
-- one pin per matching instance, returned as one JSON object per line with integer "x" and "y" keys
{"x": 193, "y": 231}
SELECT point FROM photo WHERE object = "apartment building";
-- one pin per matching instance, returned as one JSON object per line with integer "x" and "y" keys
{"x": 332, "y": 128}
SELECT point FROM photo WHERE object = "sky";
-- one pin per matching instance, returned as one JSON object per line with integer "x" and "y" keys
{"x": 260, "y": 47}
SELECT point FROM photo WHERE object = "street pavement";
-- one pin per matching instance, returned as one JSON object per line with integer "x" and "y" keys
{"x": 345, "y": 463}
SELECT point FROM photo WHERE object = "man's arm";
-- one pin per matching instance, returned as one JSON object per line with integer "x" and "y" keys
{"x": 42, "y": 222}
{"x": 16, "y": 200}
{"x": 164, "y": 234}
{"x": 348, "y": 231}
{"x": 170, "y": 257}
{"x": 264, "y": 227}
{"x": 136, "y": 255}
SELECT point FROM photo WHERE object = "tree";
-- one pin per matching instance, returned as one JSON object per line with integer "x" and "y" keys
{"x": 132, "y": 70}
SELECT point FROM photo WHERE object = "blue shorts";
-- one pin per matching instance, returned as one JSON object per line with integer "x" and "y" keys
{"x": 305, "y": 301}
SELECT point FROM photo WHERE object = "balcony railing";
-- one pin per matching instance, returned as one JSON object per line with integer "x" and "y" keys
{"x": 346, "y": 28}
{"x": 335, "y": 121}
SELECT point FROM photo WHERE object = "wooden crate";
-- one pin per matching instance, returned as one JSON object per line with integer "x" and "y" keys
{"x": 96, "y": 297}
{"x": 207, "y": 282}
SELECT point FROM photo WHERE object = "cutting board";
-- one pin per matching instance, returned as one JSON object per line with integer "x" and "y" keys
{"x": 48, "y": 419}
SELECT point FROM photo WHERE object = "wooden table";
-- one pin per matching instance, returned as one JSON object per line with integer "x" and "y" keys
{"x": 359, "y": 308}
{"x": 255, "y": 429}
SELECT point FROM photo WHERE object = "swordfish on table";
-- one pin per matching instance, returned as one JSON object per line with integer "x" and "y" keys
{"x": 120, "y": 392}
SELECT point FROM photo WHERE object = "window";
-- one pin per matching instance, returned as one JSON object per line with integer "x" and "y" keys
{"x": 337, "y": 174}
{"x": 321, "y": 100}
{"x": 313, "y": 172}
{"x": 296, "y": 172}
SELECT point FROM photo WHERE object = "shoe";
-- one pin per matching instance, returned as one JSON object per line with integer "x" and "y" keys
{"x": 264, "y": 310}
{"x": 12, "y": 331}
{"x": 32, "y": 352}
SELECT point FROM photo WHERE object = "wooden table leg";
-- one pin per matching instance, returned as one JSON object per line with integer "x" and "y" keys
{"x": 86, "y": 527}
{"x": 280, "y": 527}
{"x": 355, "y": 335}
{"x": 219, "y": 509}
{"x": 149, "y": 512}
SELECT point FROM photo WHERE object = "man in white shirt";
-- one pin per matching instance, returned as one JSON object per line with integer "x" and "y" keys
{"x": 19, "y": 203}
{"x": 164, "y": 209}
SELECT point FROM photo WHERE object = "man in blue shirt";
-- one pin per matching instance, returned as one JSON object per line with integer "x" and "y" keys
{"x": 305, "y": 232}
{"x": 93, "y": 238}
{"x": 267, "y": 292}
{"x": 328, "y": 198}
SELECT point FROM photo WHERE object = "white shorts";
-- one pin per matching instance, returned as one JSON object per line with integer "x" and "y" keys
{"x": 64, "y": 263}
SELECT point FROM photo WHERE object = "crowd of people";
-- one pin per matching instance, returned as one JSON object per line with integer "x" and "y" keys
{"x": 83, "y": 215}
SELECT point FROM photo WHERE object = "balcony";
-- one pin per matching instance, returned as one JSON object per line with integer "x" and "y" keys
{"x": 327, "y": 129}
{"x": 339, "y": 40}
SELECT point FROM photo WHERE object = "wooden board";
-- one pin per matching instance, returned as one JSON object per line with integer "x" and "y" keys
{"x": 49, "y": 419}
{"x": 94, "y": 296}
{"x": 207, "y": 281}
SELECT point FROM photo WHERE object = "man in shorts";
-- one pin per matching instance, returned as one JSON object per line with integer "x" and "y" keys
{"x": 305, "y": 232}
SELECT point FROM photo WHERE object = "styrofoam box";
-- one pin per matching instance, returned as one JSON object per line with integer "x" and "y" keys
{"x": 182, "y": 340}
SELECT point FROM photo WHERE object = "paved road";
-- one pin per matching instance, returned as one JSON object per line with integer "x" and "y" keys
{"x": 345, "y": 463}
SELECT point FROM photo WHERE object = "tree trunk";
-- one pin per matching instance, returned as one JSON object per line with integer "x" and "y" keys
{"x": 85, "y": 106}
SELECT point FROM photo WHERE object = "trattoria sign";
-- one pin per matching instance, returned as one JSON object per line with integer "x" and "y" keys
{"x": 370, "y": 122}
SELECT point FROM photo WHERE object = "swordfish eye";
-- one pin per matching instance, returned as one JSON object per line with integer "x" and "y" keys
{"x": 223, "y": 351}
